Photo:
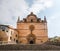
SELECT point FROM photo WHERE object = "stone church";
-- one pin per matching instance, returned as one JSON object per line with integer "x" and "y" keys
{"x": 32, "y": 30}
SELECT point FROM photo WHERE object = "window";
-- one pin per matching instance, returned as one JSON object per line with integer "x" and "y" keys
{"x": 37, "y": 20}
{"x": 42, "y": 21}
{"x": 16, "y": 41}
{"x": 16, "y": 35}
{"x": 24, "y": 20}
{"x": 6, "y": 30}
{"x": 10, "y": 38}
{"x": 31, "y": 20}
{"x": 3, "y": 30}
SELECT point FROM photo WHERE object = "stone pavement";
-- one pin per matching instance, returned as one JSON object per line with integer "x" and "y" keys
{"x": 29, "y": 47}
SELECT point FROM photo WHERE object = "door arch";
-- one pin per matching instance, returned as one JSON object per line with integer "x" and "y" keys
{"x": 31, "y": 42}
{"x": 31, "y": 39}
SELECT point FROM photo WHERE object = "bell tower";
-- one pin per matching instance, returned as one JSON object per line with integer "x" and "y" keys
{"x": 45, "y": 19}
{"x": 18, "y": 22}
{"x": 18, "y": 19}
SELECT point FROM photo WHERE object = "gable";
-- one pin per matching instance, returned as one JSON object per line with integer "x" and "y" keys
{"x": 31, "y": 17}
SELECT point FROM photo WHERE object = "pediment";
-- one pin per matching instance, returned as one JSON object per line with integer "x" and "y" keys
{"x": 31, "y": 16}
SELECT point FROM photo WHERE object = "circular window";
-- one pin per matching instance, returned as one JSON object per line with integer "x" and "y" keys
{"x": 31, "y": 27}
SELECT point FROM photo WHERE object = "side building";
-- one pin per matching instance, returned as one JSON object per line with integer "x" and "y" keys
{"x": 8, "y": 35}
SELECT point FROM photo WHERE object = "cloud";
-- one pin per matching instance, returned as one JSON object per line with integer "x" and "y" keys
{"x": 11, "y": 9}
{"x": 40, "y": 5}
{"x": 54, "y": 25}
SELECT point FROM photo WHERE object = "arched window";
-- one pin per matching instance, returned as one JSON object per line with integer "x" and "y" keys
{"x": 31, "y": 20}
{"x": 10, "y": 38}
{"x": 16, "y": 41}
{"x": 16, "y": 35}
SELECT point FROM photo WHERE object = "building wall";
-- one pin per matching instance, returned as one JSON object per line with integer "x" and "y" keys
{"x": 3, "y": 33}
{"x": 3, "y": 36}
{"x": 13, "y": 36}
{"x": 39, "y": 31}
{"x": 8, "y": 34}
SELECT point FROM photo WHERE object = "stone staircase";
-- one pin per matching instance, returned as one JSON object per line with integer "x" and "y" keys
{"x": 29, "y": 47}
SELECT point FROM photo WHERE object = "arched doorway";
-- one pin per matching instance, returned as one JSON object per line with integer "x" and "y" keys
{"x": 31, "y": 39}
{"x": 31, "y": 42}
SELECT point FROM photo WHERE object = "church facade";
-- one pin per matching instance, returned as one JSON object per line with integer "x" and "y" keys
{"x": 30, "y": 30}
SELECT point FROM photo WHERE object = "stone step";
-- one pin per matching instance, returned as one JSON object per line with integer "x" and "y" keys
{"x": 29, "y": 47}
{"x": 29, "y": 50}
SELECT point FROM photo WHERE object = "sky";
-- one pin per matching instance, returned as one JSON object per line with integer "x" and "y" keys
{"x": 11, "y": 9}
